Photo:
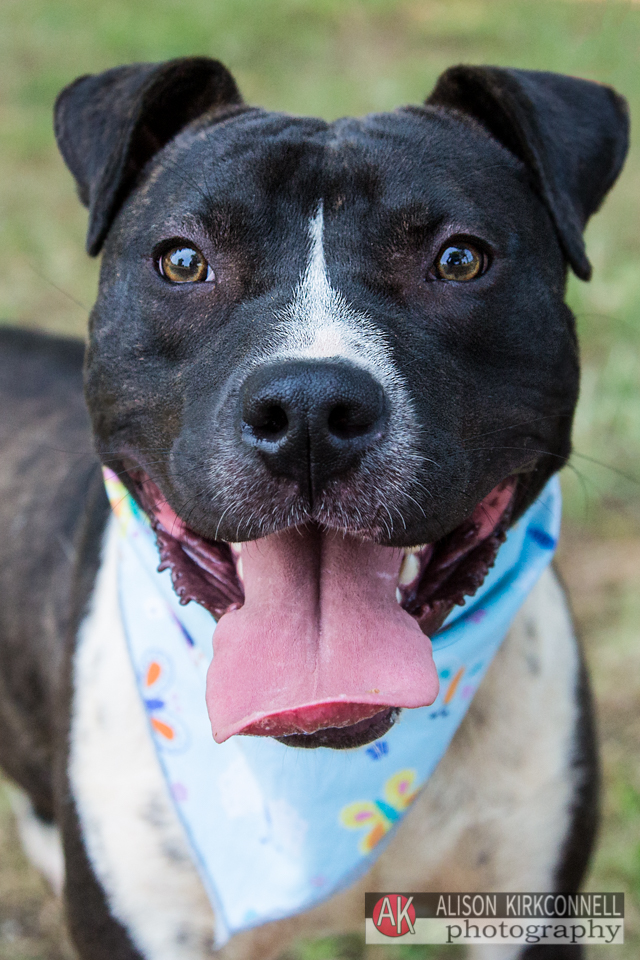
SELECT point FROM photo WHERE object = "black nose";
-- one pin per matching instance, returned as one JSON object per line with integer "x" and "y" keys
{"x": 311, "y": 420}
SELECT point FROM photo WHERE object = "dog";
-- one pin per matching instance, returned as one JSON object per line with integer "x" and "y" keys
{"x": 347, "y": 341}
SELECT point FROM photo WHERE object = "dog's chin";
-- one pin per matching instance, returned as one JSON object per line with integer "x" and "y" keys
{"x": 346, "y": 738}
{"x": 323, "y": 638}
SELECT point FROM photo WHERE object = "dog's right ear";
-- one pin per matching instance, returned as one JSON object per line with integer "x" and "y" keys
{"x": 109, "y": 125}
{"x": 572, "y": 134}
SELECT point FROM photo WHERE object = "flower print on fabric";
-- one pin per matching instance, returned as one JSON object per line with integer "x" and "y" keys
{"x": 169, "y": 732}
{"x": 378, "y": 816}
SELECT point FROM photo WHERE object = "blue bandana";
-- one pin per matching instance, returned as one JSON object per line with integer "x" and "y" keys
{"x": 275, "y": 830}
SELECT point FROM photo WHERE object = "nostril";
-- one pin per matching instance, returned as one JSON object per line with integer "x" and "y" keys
{"x": 345, "y": 423}
{"x": 268, "y": 422}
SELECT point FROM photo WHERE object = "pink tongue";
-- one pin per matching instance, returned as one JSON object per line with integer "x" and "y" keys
{"x": 321, "y": 640}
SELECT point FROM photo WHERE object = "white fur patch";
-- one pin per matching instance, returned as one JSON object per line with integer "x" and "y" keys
{"x": 40, "y": 840}
{"x": 320, "y": 324}
{"x": 132, "y": 834}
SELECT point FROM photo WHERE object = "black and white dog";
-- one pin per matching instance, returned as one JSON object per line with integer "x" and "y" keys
{"x": 355, "y": 326}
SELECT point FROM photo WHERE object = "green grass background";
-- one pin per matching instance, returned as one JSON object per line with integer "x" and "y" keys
{"x": 332, "y": 57}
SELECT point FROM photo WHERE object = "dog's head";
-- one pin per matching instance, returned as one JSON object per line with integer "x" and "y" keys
{"x": 333, "y": 360}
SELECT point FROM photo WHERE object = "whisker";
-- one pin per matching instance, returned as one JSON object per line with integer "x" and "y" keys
{"x": 607, "y": 466}
{"x": 65, "y": 293}
{"x": 514, "y": 426}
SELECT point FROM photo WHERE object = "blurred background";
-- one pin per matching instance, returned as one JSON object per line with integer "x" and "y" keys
{"x": 333, "y": 57}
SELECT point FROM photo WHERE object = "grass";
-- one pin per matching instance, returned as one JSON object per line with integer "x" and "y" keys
{"x": 332, "y": 57}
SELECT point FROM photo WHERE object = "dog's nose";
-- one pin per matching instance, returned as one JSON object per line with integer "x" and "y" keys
{"x": 312, "y": 420}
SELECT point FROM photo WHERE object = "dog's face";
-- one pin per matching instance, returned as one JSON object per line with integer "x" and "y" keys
{"x": 346, "y": 342}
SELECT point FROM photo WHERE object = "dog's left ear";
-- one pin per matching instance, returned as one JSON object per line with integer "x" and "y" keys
{"x": 109, "y": 125}
{"x": 572, "y": 134}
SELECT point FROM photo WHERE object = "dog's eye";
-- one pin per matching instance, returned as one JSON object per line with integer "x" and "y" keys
{"x": 184, "y": 264}
{"x": 459, "y": 261}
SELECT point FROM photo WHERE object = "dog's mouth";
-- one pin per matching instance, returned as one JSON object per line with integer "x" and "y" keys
{"x": 323, "y": 637}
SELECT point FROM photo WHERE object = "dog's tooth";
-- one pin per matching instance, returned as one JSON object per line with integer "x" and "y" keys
{"x": 416, "y": 549}
{"x": 409, "y": 570}
{"x": 235, "y": 548}
{"x": 398, "y": 595}
{"x": 239, "y": 569}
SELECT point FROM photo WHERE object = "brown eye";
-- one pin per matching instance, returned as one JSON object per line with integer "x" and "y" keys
{"x": 184, "y": 264}
{"x": 459, "y": 262}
